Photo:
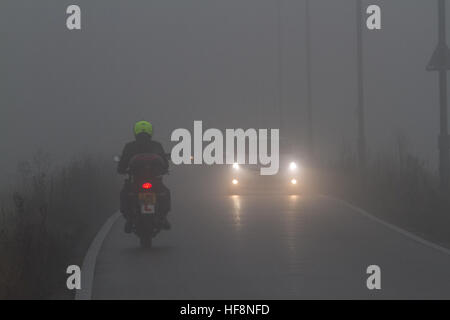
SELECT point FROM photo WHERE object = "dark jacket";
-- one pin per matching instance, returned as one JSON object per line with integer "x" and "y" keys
{"x": 142, "y": 144}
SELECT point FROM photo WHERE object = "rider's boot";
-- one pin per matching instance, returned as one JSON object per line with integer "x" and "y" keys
{"x": 128, "y": 227}
{"x": 164, "y": 223}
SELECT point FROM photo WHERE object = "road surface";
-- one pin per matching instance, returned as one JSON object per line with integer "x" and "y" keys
{"x": 266, "y": 247}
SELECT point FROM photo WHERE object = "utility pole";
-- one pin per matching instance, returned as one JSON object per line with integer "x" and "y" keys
{"x": 443, "y": 137}
{"x": 280, "y": 64}
{"x": 308, "y": 80}
{"x": 440, "y": 61}
{"x": 361, "y": 144}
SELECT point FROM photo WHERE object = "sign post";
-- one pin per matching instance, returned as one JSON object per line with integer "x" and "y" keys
{"x": 440, "y": 62}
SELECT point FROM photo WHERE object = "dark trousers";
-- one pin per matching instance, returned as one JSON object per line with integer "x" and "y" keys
{"x": 162, "y": 198}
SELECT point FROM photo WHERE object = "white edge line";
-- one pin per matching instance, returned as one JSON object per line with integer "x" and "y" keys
{"x": 391, "y": 226}
{"x": 90, "y": 259}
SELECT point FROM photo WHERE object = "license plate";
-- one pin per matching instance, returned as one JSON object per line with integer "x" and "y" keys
{"x": 147, "y": 201}
{"x": 147, "y": 208}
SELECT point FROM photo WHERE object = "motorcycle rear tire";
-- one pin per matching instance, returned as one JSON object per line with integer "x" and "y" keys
{"x": 146, "y": 242}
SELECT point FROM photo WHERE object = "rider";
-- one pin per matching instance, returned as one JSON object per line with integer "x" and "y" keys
{"x": 143, "y": 143}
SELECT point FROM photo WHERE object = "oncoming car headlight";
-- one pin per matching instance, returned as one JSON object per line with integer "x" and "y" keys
{"x": 235, "y": 181}
{"x": 292, "y": 166}
{"x": 235, "y": 166}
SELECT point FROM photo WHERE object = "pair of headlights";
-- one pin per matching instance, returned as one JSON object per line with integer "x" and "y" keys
{"x": 292, "y": 167}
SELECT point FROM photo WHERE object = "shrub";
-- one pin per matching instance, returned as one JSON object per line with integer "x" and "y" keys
{"x": 48, "y": 221}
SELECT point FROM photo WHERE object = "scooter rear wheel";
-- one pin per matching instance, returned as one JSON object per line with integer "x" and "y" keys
{"x": 146, "y": 242}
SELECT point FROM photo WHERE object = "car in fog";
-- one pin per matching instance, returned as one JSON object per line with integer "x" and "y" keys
{"x": 247, "y": 178}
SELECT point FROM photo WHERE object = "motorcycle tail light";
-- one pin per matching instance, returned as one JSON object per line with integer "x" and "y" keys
{"x": 146, "y": 185}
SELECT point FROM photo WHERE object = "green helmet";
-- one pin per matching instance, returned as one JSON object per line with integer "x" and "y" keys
{"x": 143, "y": 126}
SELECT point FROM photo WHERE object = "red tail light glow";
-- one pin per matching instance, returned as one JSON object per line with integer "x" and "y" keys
{"x": 147, "y": 185}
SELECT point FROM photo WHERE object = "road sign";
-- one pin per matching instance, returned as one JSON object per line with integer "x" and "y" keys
{"x": 440, "y": 59}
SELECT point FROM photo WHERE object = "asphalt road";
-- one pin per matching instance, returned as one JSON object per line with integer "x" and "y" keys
{"x": 264, "y": 246}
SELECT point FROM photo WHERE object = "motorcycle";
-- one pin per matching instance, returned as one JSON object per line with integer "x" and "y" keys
{"x": 144, "y": 183}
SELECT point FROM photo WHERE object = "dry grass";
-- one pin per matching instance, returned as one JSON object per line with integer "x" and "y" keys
{"x": 396, "y": 185}
{"x": 48, "y": 221}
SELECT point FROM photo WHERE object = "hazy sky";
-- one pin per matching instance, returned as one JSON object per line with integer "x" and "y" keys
{"x": 172, "y": 62}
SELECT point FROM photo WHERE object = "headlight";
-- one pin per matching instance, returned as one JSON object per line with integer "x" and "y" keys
{"x": 235, "y": 166}
{"x": 294, "y": 181}
{"x": 292, "y": 166}
{"x": 234, "y": 181}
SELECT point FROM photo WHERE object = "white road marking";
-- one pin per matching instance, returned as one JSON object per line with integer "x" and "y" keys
{"x": 90, "y": 259}
{"x": 391, "y": 226}
{"x": 89, "y": 262}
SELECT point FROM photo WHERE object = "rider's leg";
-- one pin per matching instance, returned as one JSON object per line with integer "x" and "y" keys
{"x": 165, "y": 199}
{"x": 125, "y": 207}
{"x": 164, "y": 204}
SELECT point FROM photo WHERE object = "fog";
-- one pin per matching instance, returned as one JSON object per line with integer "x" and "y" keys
{"x": 172, "y": 62}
